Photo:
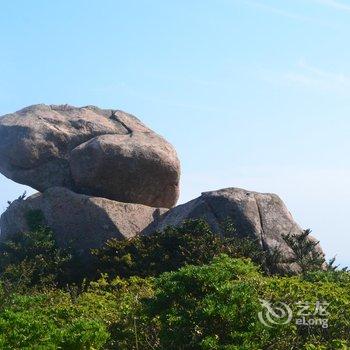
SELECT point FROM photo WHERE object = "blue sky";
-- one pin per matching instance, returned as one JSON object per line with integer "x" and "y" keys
{"x": 252, "y": 94}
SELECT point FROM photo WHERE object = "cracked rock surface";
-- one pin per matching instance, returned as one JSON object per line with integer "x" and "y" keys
{"x": 262, "y": 216}
{"x": 91, "y": 151}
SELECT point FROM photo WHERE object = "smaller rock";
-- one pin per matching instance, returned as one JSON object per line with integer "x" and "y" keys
{"x": 261, "y": 216}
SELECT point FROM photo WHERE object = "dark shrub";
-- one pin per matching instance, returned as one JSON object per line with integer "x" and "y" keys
{"x": 191, "y": 243}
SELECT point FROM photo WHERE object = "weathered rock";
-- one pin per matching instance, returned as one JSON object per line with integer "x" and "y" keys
{"x": 261, "y": 216}
{"x": 89, "y": 150}
{"x": 81, "y": 221}
{"x": 127, "y": 166}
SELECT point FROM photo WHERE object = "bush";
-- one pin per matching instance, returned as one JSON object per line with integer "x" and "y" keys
{"x": 51, "y": 321}
{"x": 213, "y": 306}
{"x": 306, "y": 252}
{"x": 56, "y": 319}
{"x": 192, "y": 243}
{"x": 216, "y": 306}
{"x": 210, "y": 306}
{"x": 31, "y": 259}
{"x": 34, "y": 259}
{"x": 192, "y": 289}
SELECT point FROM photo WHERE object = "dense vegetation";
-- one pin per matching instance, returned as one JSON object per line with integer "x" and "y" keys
{"x": 184, "y": 288}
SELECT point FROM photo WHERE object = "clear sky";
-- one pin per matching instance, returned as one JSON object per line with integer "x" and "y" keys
{"x": 253, "y": 94}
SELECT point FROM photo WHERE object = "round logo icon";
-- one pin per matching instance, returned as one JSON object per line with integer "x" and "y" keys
{"x": 274, "y": 314}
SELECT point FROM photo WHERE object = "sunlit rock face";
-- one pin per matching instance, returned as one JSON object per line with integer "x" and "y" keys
{"x": 91, "y": 151}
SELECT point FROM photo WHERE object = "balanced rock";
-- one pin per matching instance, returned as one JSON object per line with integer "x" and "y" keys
{"x": 79, "y": 221}
{"x": 260, "y": 216}
{"x": 92, "y": 151}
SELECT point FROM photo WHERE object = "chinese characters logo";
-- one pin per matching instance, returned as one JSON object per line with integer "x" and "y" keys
{"x": 307, "y": 314}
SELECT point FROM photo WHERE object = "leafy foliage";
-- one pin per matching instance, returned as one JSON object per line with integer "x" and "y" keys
{"x": 305, "y": 251}
{"x": 213, "y": 306}
{"x": 192, "y": 243}
{"x": 184, "y": 288}
{"x": 51, "y": 321}
{"x": 210, "y": 306}
{"x": 216, "y": 306}
{"x": 31, "y": 259}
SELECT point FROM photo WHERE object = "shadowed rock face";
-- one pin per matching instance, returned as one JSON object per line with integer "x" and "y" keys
{"x": 84, "y": 222}
{"x": 81, "y": 221}
{"x": 262, "y": 216}
{"x": 90, "y": 151}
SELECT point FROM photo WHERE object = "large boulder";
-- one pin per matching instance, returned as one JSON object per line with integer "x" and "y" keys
{"x": 127, "y": 166}
{"x": 260, "y": 216}
{"x": 80, "y": 221}
{"x": 92, "y": 151}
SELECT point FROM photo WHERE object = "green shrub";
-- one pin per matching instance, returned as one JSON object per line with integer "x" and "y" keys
{"x": 98, "y": 318}
{"x": 51, "y": 321}
{"x": 192, "y": 289}
{"x": 217, "y": 306}
{"x": 306, "y": 252}
{"x": 210, "y": 306}
{"x": 213, "y": 306}
{"x": 192, "y": 243}
{"x": 31, "y": 259}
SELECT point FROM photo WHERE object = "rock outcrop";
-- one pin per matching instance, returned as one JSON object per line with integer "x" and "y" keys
{"x": 80, "y": 221}
{"x": 104, "y": 174}
{"x": 261, "y": 216}
{"x": 91, "y": 151}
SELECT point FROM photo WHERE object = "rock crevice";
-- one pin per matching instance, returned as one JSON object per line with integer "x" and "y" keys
{"x": 262, "y": 232}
